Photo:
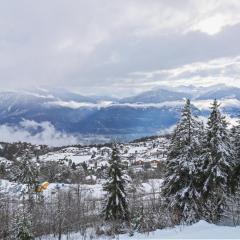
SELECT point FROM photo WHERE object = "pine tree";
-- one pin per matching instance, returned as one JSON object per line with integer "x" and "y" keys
{"x": 217, "y": 165}
{"x": 231, "y": 212}
{"x": 116, "y": 205}
{"x": 181, "y": 185}
{"x": 27, "y": 172}
{"x": 235, "y": 137}
{"x": 24, "y": 230}
{"x": 21, "y": 225}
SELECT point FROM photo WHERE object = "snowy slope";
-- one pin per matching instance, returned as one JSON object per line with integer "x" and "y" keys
{"x": 89, "y": 191}
{"x": 200, "y": 230}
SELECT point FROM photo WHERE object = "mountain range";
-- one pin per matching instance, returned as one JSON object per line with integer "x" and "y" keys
{"x": 144, "y": 114}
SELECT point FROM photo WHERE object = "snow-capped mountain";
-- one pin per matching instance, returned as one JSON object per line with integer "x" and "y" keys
{"x": 145, "y": 114}
{"x": 222, "y": 93}
{"x": 157, "y": 96}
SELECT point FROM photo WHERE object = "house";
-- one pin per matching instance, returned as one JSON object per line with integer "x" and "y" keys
{"x": 154, "y": 163}
{"x": 139, "y": 163}
{"x": 125, "y": 163}
{"x": 91, "y": 179}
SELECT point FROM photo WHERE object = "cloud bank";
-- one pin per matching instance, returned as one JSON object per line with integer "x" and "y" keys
{"x": 36, "y": 133}
{"x": 216, "y": 71}
{"x": 94, "y": 46}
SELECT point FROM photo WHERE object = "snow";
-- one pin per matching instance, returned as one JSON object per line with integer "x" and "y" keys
{"x": 91, "y": 190}
{"x": 153, "y": 185}
{"x": 153, "y": 151}
{"x": 137, "y": 149}
{"x": 92, "y": 177}
{"x": 11, "y": 188}
{"x": 15, "y": 189}
{"x": 76, "y": 158}
{"x": 200, "y": 230}
{"x": 4, "y": 160}
{"x": 225, "y": 103}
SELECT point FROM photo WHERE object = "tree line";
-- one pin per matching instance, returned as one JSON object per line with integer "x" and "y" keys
{"x": 203, "y": 167}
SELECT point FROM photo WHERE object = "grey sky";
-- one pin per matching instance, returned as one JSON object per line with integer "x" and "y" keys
{"x": 118, "y": 47}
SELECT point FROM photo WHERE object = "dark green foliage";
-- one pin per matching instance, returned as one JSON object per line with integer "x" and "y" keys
{"x": 116, "y": 205}
{"x": 218, "y": 164}
{"x": 22, "y": 225}
{"x": 26, "y": 171}
{"x": 181, "y": 187}
{"x": 235, "y": 138}
{"x": 24, "y": 233}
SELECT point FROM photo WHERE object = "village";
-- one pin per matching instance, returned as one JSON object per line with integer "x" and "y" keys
{"x": 138, "y": 156}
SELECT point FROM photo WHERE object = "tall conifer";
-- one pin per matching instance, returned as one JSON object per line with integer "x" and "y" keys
{"x": 218, "y": 163}
{"x": 116, "y": 207}
{"x": 181, "y": 185}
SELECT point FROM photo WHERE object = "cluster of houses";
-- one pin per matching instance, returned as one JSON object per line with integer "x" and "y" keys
{"x": 138, "y": 156}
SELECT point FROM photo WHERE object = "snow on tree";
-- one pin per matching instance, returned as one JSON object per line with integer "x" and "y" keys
{"x": 181, "y": 185}
{"x": 26, "y": 171}
{"x": 22, "y": 224}
{"x": 116, "y": 207}
{"x": 218, "y": 163}
{"x": 24, "y": 232}
{"x": 235, "y": 139}
{"x": 231, "y": 212}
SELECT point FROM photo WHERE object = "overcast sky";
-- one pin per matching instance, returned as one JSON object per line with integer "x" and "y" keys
{"x": 118, "y": 47}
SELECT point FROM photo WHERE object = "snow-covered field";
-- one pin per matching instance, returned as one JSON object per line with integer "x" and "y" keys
{"x": 91, "y": 191}
{"x": 200, "y": 230}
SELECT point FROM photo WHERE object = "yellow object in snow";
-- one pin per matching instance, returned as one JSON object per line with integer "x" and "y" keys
{"x": 42, "y": 187}
{"x": 45, "y": 185}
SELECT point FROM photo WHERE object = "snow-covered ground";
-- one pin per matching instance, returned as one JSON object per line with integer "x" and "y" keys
{"x": 91, "y": 191}
{"x": 200, "y": 230}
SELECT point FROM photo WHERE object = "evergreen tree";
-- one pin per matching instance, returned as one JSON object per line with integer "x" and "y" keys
{"x": 235, "y": 137}
{"x": 24, "y": 230}
{"x": 27, "y": 172}
{"x": 217, "y": 165}
{"x": 21, "y": 225}
{"x": 181, "y": 185}
{"x": 116, "y": 205}
{"x": 231, "y": 212}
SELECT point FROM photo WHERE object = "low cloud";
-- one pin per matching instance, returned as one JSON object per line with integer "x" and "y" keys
{"x": 36, "y": 133}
